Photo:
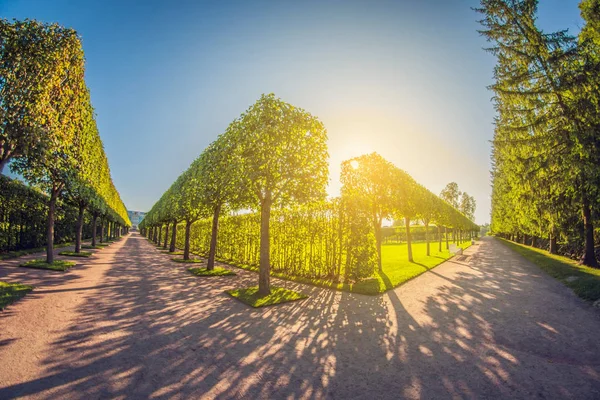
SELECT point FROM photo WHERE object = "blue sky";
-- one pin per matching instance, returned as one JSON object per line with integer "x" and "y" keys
{"x": 404, "y": 78}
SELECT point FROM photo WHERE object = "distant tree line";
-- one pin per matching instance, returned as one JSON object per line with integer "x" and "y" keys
{"x": 546, "y": 147}
{"x": 48, "y": 134}
{"x": 256, "y": 196}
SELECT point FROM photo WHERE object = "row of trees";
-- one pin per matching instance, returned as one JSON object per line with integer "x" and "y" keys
{"x": 273, "y": 159}
{"x": 460, "y": 200}
{"x": 48, "y": 130}
{"x": 274, "y": 154}
{"x": 546, "y": 148}
{"x": 380, "y": 191}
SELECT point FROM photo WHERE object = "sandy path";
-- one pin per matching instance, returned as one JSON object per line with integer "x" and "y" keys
{"x": 129, "y": 323}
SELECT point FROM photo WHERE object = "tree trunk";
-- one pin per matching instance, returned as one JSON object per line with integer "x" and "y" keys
{"x": 79, "y": 229}
{"x": 159, "y": 235}
{"x": 94, "y": 228}
{"x": 166, "y": 235}
{"x": 210, "y": 265}
{"x": 553, "y": 249}
{"x": 440, "y": 238}
{"x": 408, "y": 240}
{"x": 427, "y": 237}
{"x": 50, "y": 226}
{"x": 446, "y": 232}
{"x": 377, "y": 228}
{"x": 102, "y": 230}
{"x": 186, "y": 247}
{"x": 264, "y": 284}
{"x": 173, "y": 237}
{"x": 589, "y": 256}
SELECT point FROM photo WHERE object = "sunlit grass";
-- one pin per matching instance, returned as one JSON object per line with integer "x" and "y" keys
{"x": 11, "y": 292}
{"x": 214, "y": 272}
{"x": 395, "y": 265}
{"x": 584, "y": 281}
{"x": 57, "y": 265}
{"x": 73, "y": 254}
{"x": 278, "y": 295}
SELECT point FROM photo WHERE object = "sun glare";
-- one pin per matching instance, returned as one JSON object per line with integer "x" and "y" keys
{"x": 354, "y": 164}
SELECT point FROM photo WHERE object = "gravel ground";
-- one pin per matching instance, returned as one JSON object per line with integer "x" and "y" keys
{"x": 130, "y": 323}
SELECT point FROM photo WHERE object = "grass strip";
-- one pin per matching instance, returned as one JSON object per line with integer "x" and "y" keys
{"x": 214, "y": 272}
{"x": 73, "y": 254}
{"x": 57, "y": 265}
{"x": 11, "y": 292}
{"x": 191, "y": 260}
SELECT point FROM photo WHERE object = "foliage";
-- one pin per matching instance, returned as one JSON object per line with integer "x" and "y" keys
{"x": 251, "y": 296}
{"x": 48, "y": 129}
{"x": 11, "y": 292}
{"x": 58, "y": 265}
{"x": 546, "y": 153}
{"x": 211, "y": 272}
{"x": 23, "y": 218}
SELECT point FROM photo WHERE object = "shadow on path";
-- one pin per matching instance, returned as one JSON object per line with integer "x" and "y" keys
{"x": 493, "y": 327}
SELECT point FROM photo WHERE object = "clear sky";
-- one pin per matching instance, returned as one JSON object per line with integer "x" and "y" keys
{"x": 404, "y": 78}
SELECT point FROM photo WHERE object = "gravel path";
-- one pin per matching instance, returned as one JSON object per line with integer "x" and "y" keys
{"x": 130, "y": 323}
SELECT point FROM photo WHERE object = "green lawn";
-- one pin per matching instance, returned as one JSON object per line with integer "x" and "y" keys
{"x": 73, "y": 254}
{"x": 278, "y": 295}
{"x": 11, "y": 292}
{"x": 173, "y": 253}
{"x": 587, "y": 282}
{"x": 57, "y": 265}
{"x": 396, "y": 268}
{"x": 214, "y": 272}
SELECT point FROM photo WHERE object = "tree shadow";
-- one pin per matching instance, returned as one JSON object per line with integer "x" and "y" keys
{"x": 153, "y": 330}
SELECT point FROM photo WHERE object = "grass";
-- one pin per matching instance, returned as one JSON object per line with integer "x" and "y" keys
{"x": 90, "y": 247}
{"x": 73, "y": 254}
{"x": 278, "y": 295}
{"x": 191, "y": 260}
{"x": 11, "y": 292}
{"x": 587, "y": 284}
{"x": 214, "y": 272}
{"x": 173, "y": 253}
{"x": 57, "y": 265}
{"x": 396, "y": 269}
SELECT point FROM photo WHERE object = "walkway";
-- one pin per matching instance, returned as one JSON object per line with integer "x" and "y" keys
{"x": 130, "y": 323}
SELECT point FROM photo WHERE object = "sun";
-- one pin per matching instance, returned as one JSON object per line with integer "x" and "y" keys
{"x": 354, "y": 164}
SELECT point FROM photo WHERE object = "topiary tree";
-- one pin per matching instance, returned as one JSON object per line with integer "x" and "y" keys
{"x": 283, "y": 158}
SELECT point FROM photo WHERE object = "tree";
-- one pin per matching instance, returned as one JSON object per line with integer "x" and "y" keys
{"x": 467, "y": 205}
{"x": 283, "y": 158}
{"x": 54, "y": 159}
{"x": 219, "y": 172}
{"x": 546, "y": 120}
{"x": 29, "y": 63}
{"x": 451, "y": 194}
{"x": 190, "y": 198}
{"x": 406, "y": 207}
{"x": 429, "y": 210}
{"x": 368, "y": 180}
